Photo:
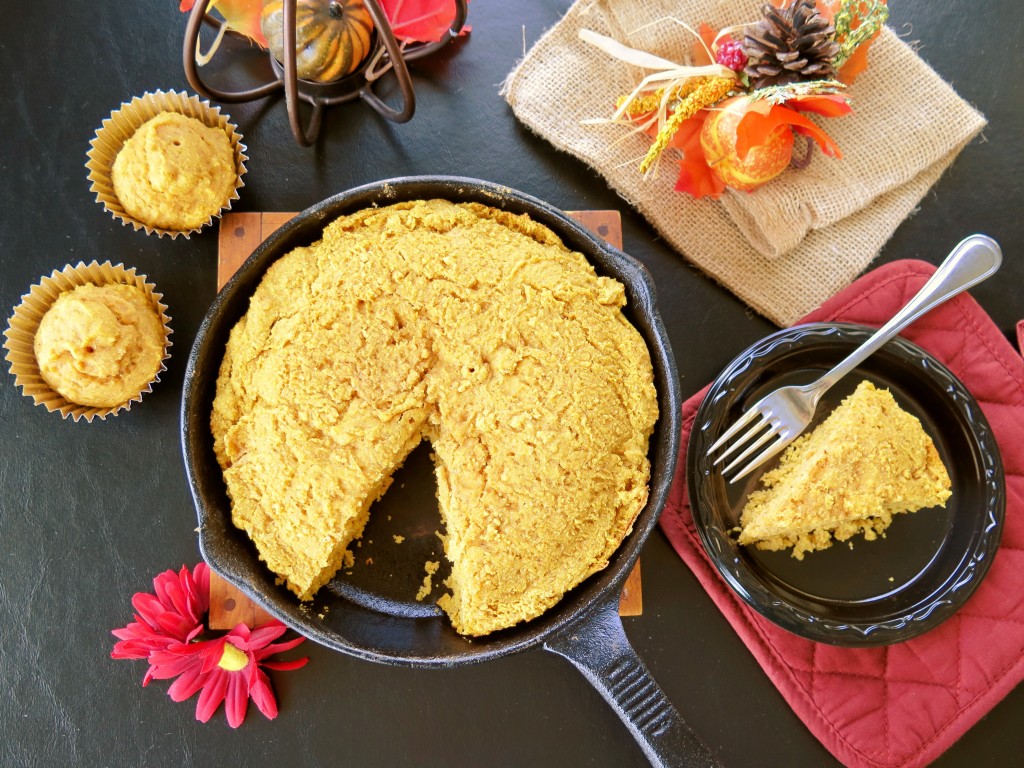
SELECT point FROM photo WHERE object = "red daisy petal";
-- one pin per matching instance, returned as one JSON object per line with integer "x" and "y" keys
{"x": 260, "y": 638}
{"x": 273, "y": 648}
{"x": 212, "y": 695}
{"x": 171, "y": 592}
{"x": 211, "y": 653}
{"x": 263, "y": 695}
{"x": 140, "y": 633}
{"x": 200, "y": 589}
{"x": 239, "y": 636}
{"x": 134, "y": 649}
{"x": 127, "y": 633}
{"x": 286, "y": 666}
{"x": 181, "y": 656}
{"x": 147, "y": 607}
{"x": 186, "y": 685}
{"x": 168, "y": 671}
{"x": 163, "y": 583}
{"x": 253, "y": 640}
{"x": 137, "y": 642}
{"x": 237, "y": 701}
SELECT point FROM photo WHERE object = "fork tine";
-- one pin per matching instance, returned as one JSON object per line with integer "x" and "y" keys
{"x": 746, "y": 437}
{"x": 773, "y": 431}
{"x": 761, "y": 458}
{"x": 741, "y": 422}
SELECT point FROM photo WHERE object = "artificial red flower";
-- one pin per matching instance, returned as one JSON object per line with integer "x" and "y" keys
{"x": 172, "y": 613}
{"x": 226, "y": 669}
{"x": 166, "y": 632}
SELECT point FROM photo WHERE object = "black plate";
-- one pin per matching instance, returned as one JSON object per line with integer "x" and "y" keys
{"x": 874, "y": 593}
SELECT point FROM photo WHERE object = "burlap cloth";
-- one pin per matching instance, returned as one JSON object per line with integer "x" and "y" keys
{"x": 788, "y": 246}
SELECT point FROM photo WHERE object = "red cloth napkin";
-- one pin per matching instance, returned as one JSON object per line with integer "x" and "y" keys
{"x": 904, "y": 704}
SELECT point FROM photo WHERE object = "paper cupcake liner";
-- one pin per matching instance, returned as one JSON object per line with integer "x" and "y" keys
{"x": 120, "y": 126}
{"x": 21, "y": 334}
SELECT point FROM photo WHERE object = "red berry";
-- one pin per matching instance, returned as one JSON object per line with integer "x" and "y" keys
{"x": 730, "y": 54}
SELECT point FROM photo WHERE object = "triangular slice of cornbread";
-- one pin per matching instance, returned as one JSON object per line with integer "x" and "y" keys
{"x": 866, "y": 462}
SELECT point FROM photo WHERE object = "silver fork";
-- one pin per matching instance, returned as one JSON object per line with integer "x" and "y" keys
{"x": 778, "y": 418}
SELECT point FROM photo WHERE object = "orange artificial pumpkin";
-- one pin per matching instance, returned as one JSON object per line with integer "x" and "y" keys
{"x": 332, "y": 37}
{"x": 760, "y": 165}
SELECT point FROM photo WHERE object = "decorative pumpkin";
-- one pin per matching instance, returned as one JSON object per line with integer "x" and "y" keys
{"x": 761, "y": 164}
{"x": 332, "y": 37}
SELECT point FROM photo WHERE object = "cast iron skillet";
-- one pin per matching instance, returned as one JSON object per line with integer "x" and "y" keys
{"x": 369, "y": 612}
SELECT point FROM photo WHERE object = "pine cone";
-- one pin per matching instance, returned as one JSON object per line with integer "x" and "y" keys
{"x": 790, "y": 45}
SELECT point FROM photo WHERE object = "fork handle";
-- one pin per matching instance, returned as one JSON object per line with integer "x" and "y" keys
{"x": 975, "y": 258}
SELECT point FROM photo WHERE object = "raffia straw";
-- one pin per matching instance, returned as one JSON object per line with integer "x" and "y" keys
{"x": 667, "y": 71}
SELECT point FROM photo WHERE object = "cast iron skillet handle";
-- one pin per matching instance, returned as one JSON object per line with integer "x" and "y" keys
{"x": 597, "y": 647}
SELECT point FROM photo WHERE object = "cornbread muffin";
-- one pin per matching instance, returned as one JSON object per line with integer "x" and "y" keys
{"x": 866, "y": 462}
{"x": 100, "y": 345}
{"x": 475, "y": 329}
{"x": 174, "y": 172}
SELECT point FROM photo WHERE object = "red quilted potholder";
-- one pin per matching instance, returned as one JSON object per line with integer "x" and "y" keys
{"x": 904, "y": 704}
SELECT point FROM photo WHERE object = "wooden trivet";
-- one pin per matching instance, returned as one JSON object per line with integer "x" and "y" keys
{"x": 239, "y": 235}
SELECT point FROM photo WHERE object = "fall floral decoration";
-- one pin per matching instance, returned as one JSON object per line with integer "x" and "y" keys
{"x": 734, "y": 109}
{"x": 170, "y": 633}
{"x": 412, "y": 21}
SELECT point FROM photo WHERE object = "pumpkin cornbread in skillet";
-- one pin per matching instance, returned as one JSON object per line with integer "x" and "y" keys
{"x": 867, "y": 461}
{"x": 474, "y": 329}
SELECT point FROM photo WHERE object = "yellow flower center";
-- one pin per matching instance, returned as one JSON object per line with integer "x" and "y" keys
{"x": 233, "y": 659}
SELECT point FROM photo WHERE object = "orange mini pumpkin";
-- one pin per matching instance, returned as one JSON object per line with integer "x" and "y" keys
{"x": 332, "y": 37}
{"x": 761, "y": 163}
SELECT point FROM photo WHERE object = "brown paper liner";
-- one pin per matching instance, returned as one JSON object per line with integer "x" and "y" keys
{"x": 123, "y": 122}
{"x": 21, "y": 334}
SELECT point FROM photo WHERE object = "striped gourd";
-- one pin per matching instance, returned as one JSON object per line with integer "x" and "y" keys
{"x": 332, "y": 37}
